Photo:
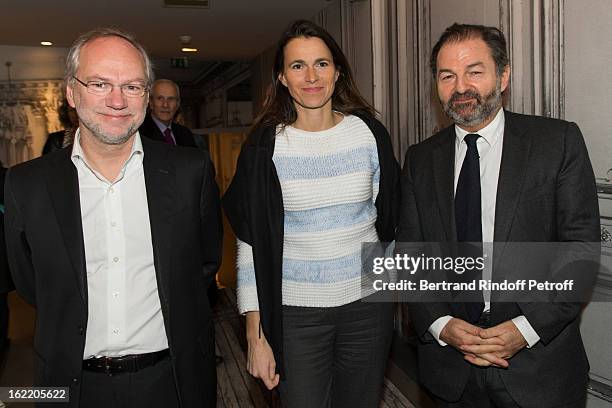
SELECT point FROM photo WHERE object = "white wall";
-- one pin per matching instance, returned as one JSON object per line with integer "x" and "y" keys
{"x": 588, "y": 84}
{"x": 32, "y": 62}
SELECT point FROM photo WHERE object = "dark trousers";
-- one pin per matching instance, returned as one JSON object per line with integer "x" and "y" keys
{"x": 336, "y": 356}
{"x": 486, "y": 389}
{"x": 150, "y": 387}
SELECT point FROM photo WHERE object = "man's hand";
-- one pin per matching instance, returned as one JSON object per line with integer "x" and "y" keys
{"x": 260, "y": 360}
{"x": 512, "y": 342}
{"x": 464, "y": 337}
{"x": 459, "y": 333}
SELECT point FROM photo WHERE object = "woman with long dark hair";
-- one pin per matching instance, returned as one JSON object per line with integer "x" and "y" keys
{"x": 316, "y": 178}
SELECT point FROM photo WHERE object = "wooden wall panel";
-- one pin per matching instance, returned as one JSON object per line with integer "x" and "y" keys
{"x": 224, "y": 150}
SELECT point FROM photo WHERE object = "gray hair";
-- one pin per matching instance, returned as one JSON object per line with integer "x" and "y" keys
{"x": 167, "y": 81}
{"x": 72, "y": 60}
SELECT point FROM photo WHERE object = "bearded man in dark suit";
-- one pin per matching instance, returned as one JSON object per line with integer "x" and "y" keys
{"x": 496, "y": 176}
{"x": 114, "y": 240}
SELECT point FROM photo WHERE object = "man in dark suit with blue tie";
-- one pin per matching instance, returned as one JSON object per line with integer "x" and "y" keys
{"x": 496, "y": 176}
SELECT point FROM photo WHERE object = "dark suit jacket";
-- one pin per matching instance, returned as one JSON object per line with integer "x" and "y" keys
{"x": 182, "y": 135}
{"x": 546, "y": 193}
{"x": 6, "y": 283}
{"x": 48, "y": 262}
{"x": 55, "y": 141}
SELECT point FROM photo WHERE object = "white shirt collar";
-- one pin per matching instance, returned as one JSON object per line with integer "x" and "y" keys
{"x": 489, "y": 133}
{"x": 78, "y": 154}
{"x": 162, "y": 126}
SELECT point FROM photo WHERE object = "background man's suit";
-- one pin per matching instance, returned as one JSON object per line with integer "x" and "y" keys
{"x": 182, "y": 135}
{"x": 546, "y": 193}
{"x": 45, "y": 240}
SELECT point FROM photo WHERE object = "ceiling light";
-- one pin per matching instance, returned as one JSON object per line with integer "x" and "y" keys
{"x": 186, "y": 43}
{"x": 47, "y": 43}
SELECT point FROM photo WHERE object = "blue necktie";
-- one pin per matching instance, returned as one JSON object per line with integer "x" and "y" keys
{"x": 468, "y": 212}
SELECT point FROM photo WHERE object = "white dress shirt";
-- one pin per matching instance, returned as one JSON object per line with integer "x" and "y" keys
{"x": 489, "y": 146}
{"x": 124, "y": 311}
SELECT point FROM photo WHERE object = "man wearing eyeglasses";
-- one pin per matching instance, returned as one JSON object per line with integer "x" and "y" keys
{"x": 118, "y": 273}
{"x": 159, "y": 123}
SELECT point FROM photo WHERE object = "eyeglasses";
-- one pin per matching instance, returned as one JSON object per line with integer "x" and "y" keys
{"x": 102, "y": 88}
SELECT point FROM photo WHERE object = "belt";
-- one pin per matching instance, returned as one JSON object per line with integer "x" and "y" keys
{"x": 124, "y": 364}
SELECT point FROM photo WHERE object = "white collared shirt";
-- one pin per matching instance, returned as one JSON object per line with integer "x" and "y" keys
{"x": 124, "y": 311}
{"x": 490, "y": 146}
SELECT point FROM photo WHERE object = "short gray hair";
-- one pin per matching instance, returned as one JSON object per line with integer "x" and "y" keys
{"x": 166, "y": 81}
{"x": 72, "y": 60}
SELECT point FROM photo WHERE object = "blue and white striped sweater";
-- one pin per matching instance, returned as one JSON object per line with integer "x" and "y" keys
{"x": 329, "y": 182}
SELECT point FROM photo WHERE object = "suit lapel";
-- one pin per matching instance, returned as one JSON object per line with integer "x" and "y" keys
{"x": 151, "y": 129}
{"x": 163, "y": 202}
{"x": 515, "y": 154}
{"x": 158, "y": 133}
{"x": 63, "y": 185}
{"x": 444, "y": 173}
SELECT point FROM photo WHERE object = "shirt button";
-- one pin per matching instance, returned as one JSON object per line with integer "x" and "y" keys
{"x": 116, "y": 331}
{"x": 113, "y": 224}
{"x": 115, "y": 293}
{"x": 115, "y": 259}
{"x": 111, "y": 190}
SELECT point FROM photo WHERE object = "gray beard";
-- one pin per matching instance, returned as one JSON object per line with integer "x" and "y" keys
{"x": 97, "y": 132}
{"x": 482, "y": 110}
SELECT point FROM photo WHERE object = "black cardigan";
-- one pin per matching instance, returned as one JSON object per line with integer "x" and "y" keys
{"x": 254, "y": 206}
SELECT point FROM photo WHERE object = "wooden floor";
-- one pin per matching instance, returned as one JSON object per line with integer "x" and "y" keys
{"x": 235, "y": 387}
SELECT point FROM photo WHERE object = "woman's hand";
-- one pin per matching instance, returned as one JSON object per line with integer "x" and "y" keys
{"x": 260, "y": 360}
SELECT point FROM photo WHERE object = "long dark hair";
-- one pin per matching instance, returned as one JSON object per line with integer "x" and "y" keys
{"x": 278, "y": 106}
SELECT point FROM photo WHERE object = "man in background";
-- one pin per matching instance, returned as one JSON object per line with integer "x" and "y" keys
{"x": 159, "y": 124}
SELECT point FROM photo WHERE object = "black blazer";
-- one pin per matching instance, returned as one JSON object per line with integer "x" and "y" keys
{"x": 55, "y": 141}
{"x": 48, "y": 262}
{"x": 182, "y": 135}
{"x": 253, "y": 205}
{"x": 546, "y": 193}
{"x": 6, "y": 283}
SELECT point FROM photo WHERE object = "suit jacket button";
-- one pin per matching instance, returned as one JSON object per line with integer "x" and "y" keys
{"x": 81, "y": 330}
{"x": 75, "y": 380}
